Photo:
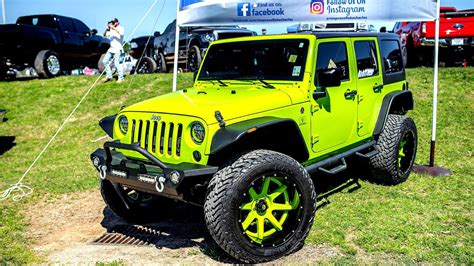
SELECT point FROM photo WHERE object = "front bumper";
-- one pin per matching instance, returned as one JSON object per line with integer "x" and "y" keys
{"x": 151, "y": 176}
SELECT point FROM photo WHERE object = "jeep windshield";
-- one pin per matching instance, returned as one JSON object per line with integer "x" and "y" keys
{"x": 256, "y": 60}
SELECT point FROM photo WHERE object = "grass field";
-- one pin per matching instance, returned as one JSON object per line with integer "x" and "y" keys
{"x": 422, "y": 220}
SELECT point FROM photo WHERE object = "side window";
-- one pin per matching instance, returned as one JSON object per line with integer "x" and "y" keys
{"x": 391, "y": 56}
{"x": 333, "y": 55}
{"x": 81, "y": 27}
{"x": 67, "y": 24}
{"x": 366, "y": 55}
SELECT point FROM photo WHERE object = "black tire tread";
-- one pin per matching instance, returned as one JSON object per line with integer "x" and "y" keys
{"x": 383, "y": 166}
{"x": 221, "y": 188}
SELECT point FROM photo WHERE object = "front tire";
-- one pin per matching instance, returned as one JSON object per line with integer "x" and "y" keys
{"x": 194, "y": 58}
{"x": 261, "y": 207}
{"x": 397, "y": 145}
{"x": 146, "y": 66}
{"x": 47, "y": 64}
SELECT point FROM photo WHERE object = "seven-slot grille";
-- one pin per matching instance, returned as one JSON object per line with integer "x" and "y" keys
{"x": 158, "y": 137}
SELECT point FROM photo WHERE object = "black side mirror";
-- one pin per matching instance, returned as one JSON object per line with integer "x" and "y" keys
{"x": 93, "y": 32}
{"x": 329, "y": 77}
{"x": 156, "y": 34}
{"x": 383, "y": 29}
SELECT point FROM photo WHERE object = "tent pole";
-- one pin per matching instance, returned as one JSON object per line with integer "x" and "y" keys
{"x": 3, "y": 12}
{"x": 431, "y": 169}
{"x": 176, "y": 49}
{"x": 435, "y": 87}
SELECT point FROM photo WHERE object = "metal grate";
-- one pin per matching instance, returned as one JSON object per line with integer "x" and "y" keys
{"x": 159, "y": 138}
{"x": 135, "y": 235}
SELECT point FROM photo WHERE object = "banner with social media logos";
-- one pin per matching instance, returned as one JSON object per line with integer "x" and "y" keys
{"x": 222, "y": 12}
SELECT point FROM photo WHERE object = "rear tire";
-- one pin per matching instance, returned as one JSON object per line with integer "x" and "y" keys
{"x": 47, "y": 64}
{"x": 397, "y": 146}
{"x": 253, "y": 227}
{"x": 100, "y": 64}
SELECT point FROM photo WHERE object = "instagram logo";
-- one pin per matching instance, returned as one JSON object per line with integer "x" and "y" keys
{"x": 317, "y": 7}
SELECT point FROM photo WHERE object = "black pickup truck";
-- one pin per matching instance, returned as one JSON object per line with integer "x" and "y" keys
{"x": 50, "y": 44}
{"x": 193, "y": 41}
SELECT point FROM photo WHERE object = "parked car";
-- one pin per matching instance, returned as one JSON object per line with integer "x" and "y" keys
{"x": 263, "y": 114}
{"x": 193, "y": 41}
{"x": 456, "y": 38}
{"x": 50, "y": 44}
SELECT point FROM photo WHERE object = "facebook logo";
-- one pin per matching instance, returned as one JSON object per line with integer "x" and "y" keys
{"x": 244, "y": 9}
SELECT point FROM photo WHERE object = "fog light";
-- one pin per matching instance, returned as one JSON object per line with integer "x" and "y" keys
{"x": 96, "y": 161}
{"x": 174, "y": 177}
{"x": 197, "y": 156}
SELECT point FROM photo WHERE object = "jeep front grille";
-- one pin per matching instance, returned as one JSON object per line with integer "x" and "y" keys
{"x": 158, "y": 137}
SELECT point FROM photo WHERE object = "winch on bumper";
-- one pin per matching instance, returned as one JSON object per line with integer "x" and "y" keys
{"x": 151, "y": 176}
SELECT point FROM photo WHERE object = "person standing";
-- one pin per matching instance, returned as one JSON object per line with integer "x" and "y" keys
{"x": 114, "y": 32}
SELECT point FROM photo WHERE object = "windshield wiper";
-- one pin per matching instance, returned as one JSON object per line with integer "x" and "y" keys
{"x": 267, "y": 85}
{"x": 218, "y": 80}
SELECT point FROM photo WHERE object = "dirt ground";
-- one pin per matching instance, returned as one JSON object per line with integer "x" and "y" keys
{"x": 62, "y": 231}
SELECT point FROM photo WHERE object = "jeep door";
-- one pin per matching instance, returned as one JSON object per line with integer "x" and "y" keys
{"x": 334, "y": 116}
{"x": 369, "y": 83}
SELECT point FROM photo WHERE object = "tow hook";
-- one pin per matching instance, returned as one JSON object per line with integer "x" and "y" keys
{"x": 102, "y": 171}
{"x": 160, "y": 183}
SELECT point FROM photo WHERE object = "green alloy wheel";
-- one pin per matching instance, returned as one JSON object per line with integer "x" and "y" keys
{"x": 261, "y": 207}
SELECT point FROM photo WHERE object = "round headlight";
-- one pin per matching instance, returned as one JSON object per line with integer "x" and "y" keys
{"x": 123, "y": 124}
{"x": 197, "y": 132}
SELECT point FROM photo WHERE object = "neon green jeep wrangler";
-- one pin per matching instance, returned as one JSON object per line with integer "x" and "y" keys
{"x": 264, "y": 115}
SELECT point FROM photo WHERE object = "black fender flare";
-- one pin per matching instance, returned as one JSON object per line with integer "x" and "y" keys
{"x": 107, "y": 124}
{"x": 396, "y": 102}
{"x": 281, "y": 128}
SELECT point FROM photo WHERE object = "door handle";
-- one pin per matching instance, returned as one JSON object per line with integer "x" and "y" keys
{"x": 350, "y": 94}
{"x": 378, "y": 88}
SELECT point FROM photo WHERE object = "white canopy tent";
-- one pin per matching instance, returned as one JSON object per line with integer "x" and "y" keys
{"x": 231, "y": 12}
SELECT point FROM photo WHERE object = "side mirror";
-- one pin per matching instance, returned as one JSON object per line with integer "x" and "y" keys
{"x": 383, "y": 29}
{"x": 93, "y": 32}
{"x": 156, "y": 34}
{"x": 329, "y": 77}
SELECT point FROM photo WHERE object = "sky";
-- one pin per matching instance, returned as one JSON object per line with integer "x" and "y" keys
{"x": 96, "y": 13}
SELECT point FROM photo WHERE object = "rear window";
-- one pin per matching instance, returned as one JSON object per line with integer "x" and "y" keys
{"x": 391, "y": 56}
{"x": 333, "y": 55}
{"x": 366, "y": 54}
{"x": 40, "y": 21}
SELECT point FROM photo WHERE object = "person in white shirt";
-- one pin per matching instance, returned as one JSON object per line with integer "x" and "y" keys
{"x": 114, "y": 32}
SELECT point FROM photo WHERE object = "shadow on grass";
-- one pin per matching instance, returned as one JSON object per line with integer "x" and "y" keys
{"x": 6, "y": 143}
{"x": 181, "y": 227}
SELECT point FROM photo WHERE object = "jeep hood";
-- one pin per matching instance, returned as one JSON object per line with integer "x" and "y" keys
{"x": 203, "y": 103}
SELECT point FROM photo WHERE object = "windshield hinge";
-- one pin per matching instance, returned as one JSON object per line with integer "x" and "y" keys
{"x": 220, "y": 119}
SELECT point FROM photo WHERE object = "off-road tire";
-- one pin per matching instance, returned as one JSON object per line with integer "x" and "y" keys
{"x": 149, "y": 65}
{"x": 384, "y": 167}
{"x": 224, "y": 194}
{"x": 41, "y": 64}
{"x": 138, "y": 213}
{"x": 161, "y": 65}
{"x": 194, "y": 58}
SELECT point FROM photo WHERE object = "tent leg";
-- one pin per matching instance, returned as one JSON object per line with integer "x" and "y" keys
{"x": 431, "y": 169}
{"x": 176, "y": 50}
